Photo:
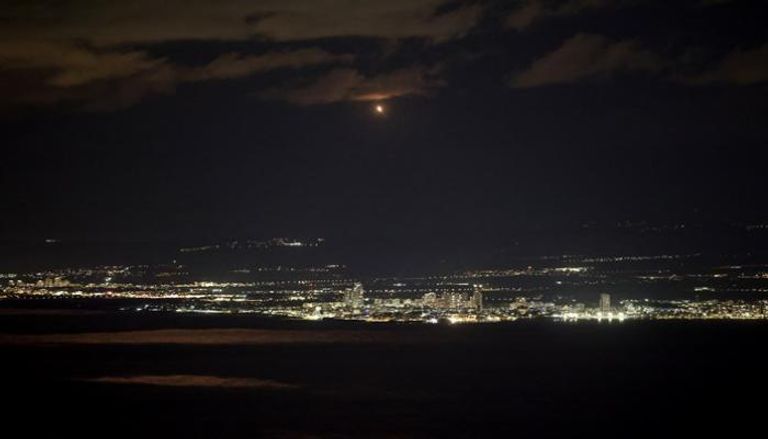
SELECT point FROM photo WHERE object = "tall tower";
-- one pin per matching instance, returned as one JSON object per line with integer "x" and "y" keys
{"x": 605, "y": 302}
{"x": 354, "y": 297}
{"x": 429, "y": 300}
{"x": 477, "y": 298}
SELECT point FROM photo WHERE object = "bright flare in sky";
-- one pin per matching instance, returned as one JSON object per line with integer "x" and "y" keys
{"x": 379, "y": 109}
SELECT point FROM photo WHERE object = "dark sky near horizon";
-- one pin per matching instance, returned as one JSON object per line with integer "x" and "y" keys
{"x": 206, "y": 119}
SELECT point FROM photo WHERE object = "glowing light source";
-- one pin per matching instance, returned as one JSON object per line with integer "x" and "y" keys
{"x": 379, "y": 109}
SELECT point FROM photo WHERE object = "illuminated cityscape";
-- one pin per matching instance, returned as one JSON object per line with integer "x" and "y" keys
{"x": 597, "y": 289}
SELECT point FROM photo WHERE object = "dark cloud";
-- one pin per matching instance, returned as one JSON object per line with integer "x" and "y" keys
{"x": 107, "y": 23}
{"x": 531, "y": 11}
{"x": 101, "y": 55}
{"x": 196, "y": 381}
{"x": 96, "y": 53}
{"x": 310, "y": 19}
{"x": 71, "y": 65}
{"x": 99, "y": 80}
{"x": 739, "y": 67}
{"x": 586, "y": 56}
{"x": 351, "y": 85}
{"x": 234, "y": 65}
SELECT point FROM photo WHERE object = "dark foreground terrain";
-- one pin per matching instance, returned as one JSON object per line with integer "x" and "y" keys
{"x": 107, "y": 375}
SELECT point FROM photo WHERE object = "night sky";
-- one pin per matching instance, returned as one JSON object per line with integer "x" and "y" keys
{"x": 203, "y": 120}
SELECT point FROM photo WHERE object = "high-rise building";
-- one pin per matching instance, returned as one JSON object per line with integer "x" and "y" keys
{"x": 55, "y": 282}
{"x": 354, "y": 297}
{"x": 605, "y": 302}
{"x": 477, "y": 298}
{"x": 453, "y": 300}
{"x": 429, "y": 300}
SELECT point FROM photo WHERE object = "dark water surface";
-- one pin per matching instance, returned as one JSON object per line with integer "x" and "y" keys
{"x": 236, "y": 376}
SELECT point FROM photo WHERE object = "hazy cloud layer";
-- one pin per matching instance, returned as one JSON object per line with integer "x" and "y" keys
{"x": 531, "y": 11}
{"x": 739, "y": 67}
{"x": 100, "y": 79}
{"x": 95, "y": 52}
{"x": 585, "y": 56}
{"x": 233, "y": 65}
{"x": 70, "y": 65}
{"x": 73, "y": 66}
{"x": 351, "y": 85}
{"x": 109, "y": 23}
{"x": 195, "y": 381}
{"x": 100, "y": 54}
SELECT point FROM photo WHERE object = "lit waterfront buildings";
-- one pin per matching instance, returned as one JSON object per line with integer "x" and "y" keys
{"x": 354, "y": 297}
{"x": 477, "y": 298}
{"x": 325, "y": 293}
{"x": 605, "y": 303}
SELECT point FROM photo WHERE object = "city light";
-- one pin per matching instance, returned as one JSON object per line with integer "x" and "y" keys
{"x": 327, "y": 295}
